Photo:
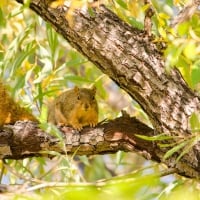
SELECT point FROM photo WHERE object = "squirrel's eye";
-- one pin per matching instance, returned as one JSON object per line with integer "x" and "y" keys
{"x": 78, "y": 97}
{"x": 93, "y": 98}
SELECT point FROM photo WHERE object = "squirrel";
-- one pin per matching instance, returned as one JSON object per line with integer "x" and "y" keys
{"x": 11, "y": 111}
{"x": 76, "y": 107}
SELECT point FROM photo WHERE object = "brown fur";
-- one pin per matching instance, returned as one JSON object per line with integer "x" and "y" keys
{"x": 76, "y": 107}
{"x": 10, "y": 111}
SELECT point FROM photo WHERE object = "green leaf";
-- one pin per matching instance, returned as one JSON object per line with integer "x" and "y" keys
{"x": 91, "y": 12}
{"x": 77, "y": 79}
{"x": 162, "y": 136}
{"x": 85, "y": 160}
{"x": 20, "y": 58}
{"x": 19, "y": 84}
{"x": 161, "y": 145}
{"x": 163, "y": 15}
{"x": 162, "y": 31}
{"x": 183, "y": 28}
{"x": 119, "y": 157}
{"x": 194, "y": 121}
{"x": 52, "y": 37}
{"x": 122, "y": 3}
{"x": 170, "y": 2}
{"x": 195, "y": 75}
{"x": 2, "y": 19}
{"x": 135, "y": 23}
{"x": 190, "y": 50}
{"x": 76, "y": 61}
{"x": 175, "y": 149}
{"x": 187, "y": 148}
{"x": 195, "y": 21}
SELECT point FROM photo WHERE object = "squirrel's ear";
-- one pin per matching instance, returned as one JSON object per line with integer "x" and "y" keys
{"x": 76, "y": 89}
{"x": 94, "y": 89}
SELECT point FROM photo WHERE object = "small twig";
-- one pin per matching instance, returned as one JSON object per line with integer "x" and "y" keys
{"x": 2, "y": 172}
{"x": 11, "y": 170}
{"x": 99, "y": 183}
{"x": 131, "y": 174}
{"x": 52, "y": 169}
{"x": 147, "y": 20}
{"x": 186, "y": 13}
{"x": 57, "y": 184}
{"x": 167, "y": 172}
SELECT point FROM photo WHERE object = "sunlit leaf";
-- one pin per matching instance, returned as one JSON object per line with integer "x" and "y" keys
{"x": 20, "y": 58}
{"x": 162, "y": 32}
{"x": 190, "y": 50}
{"x": 195, "y": 75}
{"x": 133, "y": 7}
{"x": 163, "y": 16}
{"x": 52, "y": 39}
{"x": 194, "y": 121}
{"x": 122, "y": 3}
{"x": 3, "y": 3}
{"x": 187, "y": 148}
{"x": 175, "y": 149}
{"x": 156, "y": 137}
{"x": 183, "y": 28}
{"x": 169, "y": 2}
{"x": 2, "y": 19}
{"x": 135, "y": 23}
{"x": 119, "y": 157}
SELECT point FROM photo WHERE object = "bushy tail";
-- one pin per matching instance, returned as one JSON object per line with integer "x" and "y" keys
{"x": 10, "y": 111}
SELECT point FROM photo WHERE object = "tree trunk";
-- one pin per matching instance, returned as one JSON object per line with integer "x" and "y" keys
{"x": 130, "y": 58}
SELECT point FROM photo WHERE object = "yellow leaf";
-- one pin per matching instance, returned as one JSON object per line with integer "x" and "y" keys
{"x": 163, "y": 16}
{"x": 133, "y": 7}
{"x": 176, "y": 2}
{"x": 161, "y": 21}
{"x": 57, "y": 3}
{"x": 3, "y": 3}
{"x": 162, "y": 32}
{"x": 190, "y": 50}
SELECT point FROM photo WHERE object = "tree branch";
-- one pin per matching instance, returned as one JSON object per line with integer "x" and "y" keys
{"x": 25, "y": 139}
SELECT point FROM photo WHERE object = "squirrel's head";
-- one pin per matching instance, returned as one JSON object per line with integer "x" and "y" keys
{"x": 85, "y": 97}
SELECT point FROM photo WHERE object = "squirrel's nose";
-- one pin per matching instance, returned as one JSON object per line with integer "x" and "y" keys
{"x": 86, "y": 106}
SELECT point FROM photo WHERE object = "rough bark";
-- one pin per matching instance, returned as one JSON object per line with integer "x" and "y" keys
{"x": 129, "y": 57}
{"x": 25, "y": 139}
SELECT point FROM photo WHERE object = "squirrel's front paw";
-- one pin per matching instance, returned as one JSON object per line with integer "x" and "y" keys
{"x": 92, "y": 124}
{"x": 61, "y": 124}
{"x": 78, "y": 127}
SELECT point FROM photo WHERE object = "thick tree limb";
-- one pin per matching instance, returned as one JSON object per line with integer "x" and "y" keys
{"x": 25, "y": 139}
{"x": 134, "y": 62}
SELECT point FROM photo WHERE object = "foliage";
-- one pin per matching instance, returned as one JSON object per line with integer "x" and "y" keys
{"x": 36, "y": 63}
